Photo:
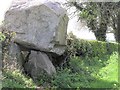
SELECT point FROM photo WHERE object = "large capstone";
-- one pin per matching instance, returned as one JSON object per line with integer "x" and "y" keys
{"x": 39, "y": 62}
{"x": 38, "y": 25}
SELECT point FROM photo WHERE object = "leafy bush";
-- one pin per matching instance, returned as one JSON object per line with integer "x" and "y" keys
{"x": 90, "y": 62}
{"x": 82, "y": 73}
{"x": 80, "y": 47}
{"x": 67, "y": 79}
{"x": 64, "y": 78}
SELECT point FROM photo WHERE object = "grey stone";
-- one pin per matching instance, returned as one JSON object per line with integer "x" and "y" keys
{"x": 15, "y": 59}
{"x": 25, "y": 55}
{"x": 39, "y": 62}
{"x": 0, "y": 56}
{"x": 38, "y": 25}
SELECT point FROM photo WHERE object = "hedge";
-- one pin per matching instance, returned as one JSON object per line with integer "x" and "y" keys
{"x": 90, "y": 48}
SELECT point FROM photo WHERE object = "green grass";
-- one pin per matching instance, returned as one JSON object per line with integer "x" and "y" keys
{"x": 83, "y": 72}
{"x": 108, "y": 74}
{"x": 88, "y": 72}
{"x": 16, "y": 79}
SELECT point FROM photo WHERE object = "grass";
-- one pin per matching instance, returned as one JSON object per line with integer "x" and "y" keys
{"x": 88, "y": 72}
{"x": 16, "y": 79}
{"x": 107, "y": 76}
{"x": 83, "y": 72}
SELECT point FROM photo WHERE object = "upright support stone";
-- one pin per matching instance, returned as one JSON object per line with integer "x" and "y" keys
{"x": 0, "y": 65}
{"x": 0, "y": 56}
{"x": 14, "y": 59}
{"x": 39, "y": 62}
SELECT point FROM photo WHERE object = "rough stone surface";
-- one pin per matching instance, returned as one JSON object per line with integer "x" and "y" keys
{"x": 38, "y": 25}
{"x": 37, "y": 63}
{"x": 15, "y": 59}
{"x": 0, "y": 56}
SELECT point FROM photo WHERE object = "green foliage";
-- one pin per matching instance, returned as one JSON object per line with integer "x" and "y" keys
{"x": 92, "y": 48}
{"x": 16, "y": 79}
{"x": 90, "y": 12}
{"x": 2, "y": 37}
{"x": 99, "y": 16}
{"x": 88, "y": 73}
{"x": 66, "y": 78}
{"x": 44, "y": 80}
{"x": 92, "y": 70}
{"x": 95, "y": 68}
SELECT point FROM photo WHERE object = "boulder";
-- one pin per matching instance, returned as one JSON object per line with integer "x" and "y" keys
{"x": 38, "y": 62}
{"x": 0, "y": 56}
{"x": 38, "y": 25}
{"x": 15, "y": 58}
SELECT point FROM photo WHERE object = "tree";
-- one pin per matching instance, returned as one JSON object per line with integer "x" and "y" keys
{"x": 114, "y": 10}
{"x": 99, "y": 16}
{"x": 118, "y": 28}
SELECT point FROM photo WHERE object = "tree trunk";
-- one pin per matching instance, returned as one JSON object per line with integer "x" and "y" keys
{"x": 115, "y": 27}
{"x": 100, "y": 33}
{"x": 117, "y": 32}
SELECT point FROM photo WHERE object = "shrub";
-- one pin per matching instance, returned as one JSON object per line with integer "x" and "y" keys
{"x": 98, "y": 73}
{"x": 90, "y": 48}
{"x": 66, "y": 79}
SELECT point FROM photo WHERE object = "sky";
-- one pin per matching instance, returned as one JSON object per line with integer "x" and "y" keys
{"x": 79, "y": 29}
{"x": 4, "y": 5}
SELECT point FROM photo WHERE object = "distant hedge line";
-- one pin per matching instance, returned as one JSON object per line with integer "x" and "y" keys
{"x": 91, "y": 48}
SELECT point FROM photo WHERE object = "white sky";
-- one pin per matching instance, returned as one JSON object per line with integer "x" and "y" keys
{"x": 77, "y": 28}
{"x": 4, "y": 5}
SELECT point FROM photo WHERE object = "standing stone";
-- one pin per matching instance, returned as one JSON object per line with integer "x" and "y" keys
{"x": 14, "y": 59}
{"x": 38, "y": 25}
{"x": 0, "y": 55}
{"x": 38, "y": 62}
{"x": 0, "y": 65}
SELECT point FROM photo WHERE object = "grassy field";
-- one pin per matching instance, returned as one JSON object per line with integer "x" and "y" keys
{"x": 108, "y": 74}
{"x": 104, "y": 71}
{"x": 89, "y": 73}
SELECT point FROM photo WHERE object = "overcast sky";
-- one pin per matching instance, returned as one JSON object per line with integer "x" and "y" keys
{"x": 4, "y": 5}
